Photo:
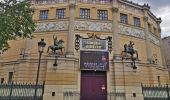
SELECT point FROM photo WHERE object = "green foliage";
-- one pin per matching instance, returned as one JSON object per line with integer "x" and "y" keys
{"x": 15, "y": 21}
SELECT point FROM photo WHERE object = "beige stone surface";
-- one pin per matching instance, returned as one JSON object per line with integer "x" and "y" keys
{"x": 67, "y": 75}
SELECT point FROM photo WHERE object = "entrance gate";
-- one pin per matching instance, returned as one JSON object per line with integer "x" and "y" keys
{"x": 93, "y": 85}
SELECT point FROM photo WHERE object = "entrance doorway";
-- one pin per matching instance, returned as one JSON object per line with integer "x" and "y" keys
{"x": 93, "y": 85}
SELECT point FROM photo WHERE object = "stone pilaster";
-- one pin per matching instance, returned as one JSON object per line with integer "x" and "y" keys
{"x": 115, "y": 43}
{"x": 70, "y": 37}
{"x": 28, "y": 46}
{"x": 147, "y": 41}
{"x": 160, "y": 41}
{"x": 115, "y": 31}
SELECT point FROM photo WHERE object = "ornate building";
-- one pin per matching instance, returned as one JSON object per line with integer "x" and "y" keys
{"x": 95, "y": 63}
{"x": 166, "y": 48}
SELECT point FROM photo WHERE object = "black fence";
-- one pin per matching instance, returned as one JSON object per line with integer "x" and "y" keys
{"x": 159, "y": 92}
{"x": 21, "y": 91}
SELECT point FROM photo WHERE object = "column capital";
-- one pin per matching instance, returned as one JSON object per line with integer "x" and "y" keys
{"x": 72, "y": 5}
{"x": 115, "y": 9}
{"x": 145, "y": 19}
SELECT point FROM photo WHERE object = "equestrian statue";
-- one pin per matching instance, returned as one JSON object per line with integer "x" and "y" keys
{"x": 128, "y": 49}
{"x": 58, "y": 45}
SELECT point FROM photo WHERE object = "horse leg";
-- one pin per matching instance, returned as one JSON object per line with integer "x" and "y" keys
{"x": 54, "y": 51}
{"x": 123, "y": 55}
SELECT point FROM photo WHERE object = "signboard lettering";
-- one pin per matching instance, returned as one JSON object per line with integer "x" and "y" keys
{"x": 93, "y": 44}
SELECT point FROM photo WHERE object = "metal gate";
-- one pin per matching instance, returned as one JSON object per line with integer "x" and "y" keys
{"x": 156, "y": 92}
{"x": 20, "y": 91}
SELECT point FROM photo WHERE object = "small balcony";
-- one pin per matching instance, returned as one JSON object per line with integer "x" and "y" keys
{"x": 45, "y": 2}
{"x": 96, "y": 1}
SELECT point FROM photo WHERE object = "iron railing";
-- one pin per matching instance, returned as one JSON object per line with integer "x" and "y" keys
{"x": 160, "y": 92}
{"x": 95, "y": 1}
{"x": 41, "y": 2}
{"x": 20, "y": 91}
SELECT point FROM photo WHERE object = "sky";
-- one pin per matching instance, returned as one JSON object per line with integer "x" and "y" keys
{"x": 160, "y": 8}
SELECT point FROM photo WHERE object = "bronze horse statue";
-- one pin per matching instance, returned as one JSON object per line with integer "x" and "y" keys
{"x": 128, "y": 49}
{"x": 58, "y": 45}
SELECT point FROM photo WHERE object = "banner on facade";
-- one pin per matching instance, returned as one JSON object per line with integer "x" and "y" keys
{"x": 93, "y": 44}
{"x": 94, "y": 60}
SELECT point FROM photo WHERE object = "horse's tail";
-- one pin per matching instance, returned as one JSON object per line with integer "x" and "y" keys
{"x": 47, "y": 49}
{"x": 125, "y": 47}
{"x": 136, "y": 54}
{"x": 64, "y": 49}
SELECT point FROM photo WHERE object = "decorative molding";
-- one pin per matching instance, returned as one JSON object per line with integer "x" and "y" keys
{"x": 153, "y": 39}
{"x": 130, "y": 8}
{"x": 93, "y": 26}
{"x": 139, "y": 33}
{"x": 52, "y": 26}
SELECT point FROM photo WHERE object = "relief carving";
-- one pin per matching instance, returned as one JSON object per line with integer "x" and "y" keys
{"x": 139, "y": 33}
{"x": 153, "y": 39}
{"x": 52, "y": 26}
{"x": 93, "y": 26}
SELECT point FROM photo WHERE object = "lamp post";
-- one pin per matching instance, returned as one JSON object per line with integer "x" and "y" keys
{"x": 41, "y": 46}
{"x": 134, "y": 64}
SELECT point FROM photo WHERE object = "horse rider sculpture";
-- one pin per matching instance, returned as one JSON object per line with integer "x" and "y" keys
{"x": 58, "y": 45}
{"x": 128, "y": 49}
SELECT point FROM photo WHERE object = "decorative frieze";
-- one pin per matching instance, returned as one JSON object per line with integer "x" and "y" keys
{"x": 52, "y": 26}
{"x": 153, "y": 39}
{"x": 139, "y": 33}
{"x": 93, "y": 26}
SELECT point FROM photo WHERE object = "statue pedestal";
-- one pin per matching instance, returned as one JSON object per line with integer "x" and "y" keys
{"x": 70, "y": 55}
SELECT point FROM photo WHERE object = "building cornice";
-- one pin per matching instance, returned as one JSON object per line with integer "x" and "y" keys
{"x": 142, "y": 7}
{"x": 157, "y": 20}
{"x": 130, "y": 3}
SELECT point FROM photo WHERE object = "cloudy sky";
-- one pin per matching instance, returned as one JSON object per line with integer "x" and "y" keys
{"x": 160, "y": 8}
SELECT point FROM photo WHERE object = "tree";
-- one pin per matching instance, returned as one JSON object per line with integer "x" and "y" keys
{"x": 15, "y": 21}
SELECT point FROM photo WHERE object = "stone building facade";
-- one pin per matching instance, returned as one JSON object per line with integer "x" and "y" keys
{"x": 166, "y": 50}
{"x": 94, "y": 33}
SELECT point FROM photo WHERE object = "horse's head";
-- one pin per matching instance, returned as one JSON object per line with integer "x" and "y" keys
{"x": 60, "y": 41}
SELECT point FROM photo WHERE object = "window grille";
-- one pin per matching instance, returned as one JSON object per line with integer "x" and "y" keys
{"x": 61, "y": 13}
{"x": 43, "y": 15}
{"x": 102, "y": 14}
{"x": 84, "y": 13}
{"x": 124, "y": 18}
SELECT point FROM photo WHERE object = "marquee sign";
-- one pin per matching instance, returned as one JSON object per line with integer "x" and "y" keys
{"x": 94, "y": 60}
{"x": 93, "y": 44}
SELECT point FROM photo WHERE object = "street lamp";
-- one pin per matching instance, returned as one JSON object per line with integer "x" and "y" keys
{"x": 55, "y": 62}
{"x": 133, "y": 64}
{"x": 41, "y": 46}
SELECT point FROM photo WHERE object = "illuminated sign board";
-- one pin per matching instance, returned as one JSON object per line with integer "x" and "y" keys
{"x": 94, "y": 60}
{"x": 93, "y": 44}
